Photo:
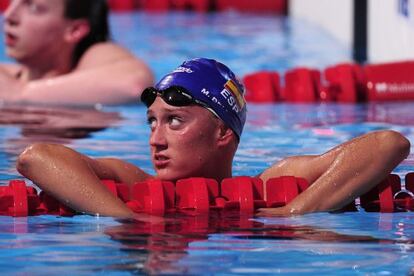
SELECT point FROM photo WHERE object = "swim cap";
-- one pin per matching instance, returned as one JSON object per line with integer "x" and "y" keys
{"x": 214, "y": 84}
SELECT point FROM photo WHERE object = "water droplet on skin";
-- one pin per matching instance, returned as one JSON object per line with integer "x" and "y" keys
{"x": 98, "y": 106}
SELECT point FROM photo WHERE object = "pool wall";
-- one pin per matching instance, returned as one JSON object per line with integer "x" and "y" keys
{"x": 389, "y": 33}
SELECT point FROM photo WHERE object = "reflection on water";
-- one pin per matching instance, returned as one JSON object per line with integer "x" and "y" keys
{"x": 21, "y": 126}
{"x": 232, "y": 244}
{"x": 44, "y": 123}
{"x": 207, "y": 245}
{"x": 222, "y": 243}
{"x": 219, "y": 243}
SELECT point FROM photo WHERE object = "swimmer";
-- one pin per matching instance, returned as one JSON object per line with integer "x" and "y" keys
{"x": 64, "y": 56}
{"x": 196, "y": 116}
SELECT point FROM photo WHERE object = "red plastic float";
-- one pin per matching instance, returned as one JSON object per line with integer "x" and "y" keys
{"x": 275, "y": 6}
{"x": 123, "y": 5}
{"x": 302, "y": 85}
{"x": 388, "y": 196}
{"x": 117, "y": 189}
{"x": 153, "y": 197}
{"x": 262, "y": 87}
{"x": 390, "y": 81}
{"x": 284, "y": 189}
{"x": 267, "y": 6}
{"x": 18, "y": 200}
{"x": 345, "y": 83}
{"x": 202, "y": 195}
{"x": 156, "y": 5}
{"x": 196, "y": 5}
{"x": 409, "y": 181}
{"x": 4, "y": 4}
{"x": 242, "y": 193}
{"x": 51, "y": 206}
{"x": 381, "y": 197}
{"x": 196, "y": 194}
{"x": 14, "y": 199}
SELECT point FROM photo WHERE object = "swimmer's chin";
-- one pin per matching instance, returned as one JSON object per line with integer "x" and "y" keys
{"x": 170, "y": 177}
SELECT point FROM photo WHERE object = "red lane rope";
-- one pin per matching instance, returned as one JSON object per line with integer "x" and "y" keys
{"x": 201, "y": 195}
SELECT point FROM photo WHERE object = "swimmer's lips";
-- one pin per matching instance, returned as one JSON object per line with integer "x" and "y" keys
{"x": 160, "y": 161}
{"x": 10, "y": 39}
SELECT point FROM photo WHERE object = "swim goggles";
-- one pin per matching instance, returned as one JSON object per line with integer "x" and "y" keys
{"x": 174, "y": 96}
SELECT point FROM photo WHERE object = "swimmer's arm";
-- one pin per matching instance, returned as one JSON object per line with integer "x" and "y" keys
{"x": 342, "y": 174}
{"x": 106, "y": 74}
{"x": 73, "y": 179}
{"x": 118, "y": 170}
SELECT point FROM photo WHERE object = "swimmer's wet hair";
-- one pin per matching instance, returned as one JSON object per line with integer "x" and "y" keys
{"x": 96, "y": 12}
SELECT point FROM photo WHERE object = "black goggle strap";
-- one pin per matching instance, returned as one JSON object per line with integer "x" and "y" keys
{"x": 185, "y": 93}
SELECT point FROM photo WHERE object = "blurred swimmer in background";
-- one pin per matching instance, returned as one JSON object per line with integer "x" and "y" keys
{"x": 64, "y": 56}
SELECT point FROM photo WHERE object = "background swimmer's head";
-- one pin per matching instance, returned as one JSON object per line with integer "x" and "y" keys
{"x": 210, "y": 83}
{"x": 96, "y": 12}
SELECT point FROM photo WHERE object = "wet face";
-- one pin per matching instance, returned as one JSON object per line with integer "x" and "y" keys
{"x": 183, "y": 140}
{"x": 34, "y": 29}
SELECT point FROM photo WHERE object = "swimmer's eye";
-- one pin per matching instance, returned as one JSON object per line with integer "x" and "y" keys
{"x": 34, "y": 7}
{"x": 151, "y": 122}
{"x": 174, "y": 121}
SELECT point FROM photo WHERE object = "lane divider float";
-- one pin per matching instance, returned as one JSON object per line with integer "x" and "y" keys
{"x": 344, "y": 82}
{"x": 201, "y": 195}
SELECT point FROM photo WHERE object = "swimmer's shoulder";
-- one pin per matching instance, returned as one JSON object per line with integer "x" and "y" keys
{"x": 106, "y": 53}
{"x": 12, "y": 69}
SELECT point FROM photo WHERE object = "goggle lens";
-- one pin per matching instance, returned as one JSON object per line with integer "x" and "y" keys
{"x": 175, "y": 96}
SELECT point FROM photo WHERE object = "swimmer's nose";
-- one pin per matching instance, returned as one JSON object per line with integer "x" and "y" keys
{"x": 157, "y": 138}
{"x": 11, "y": 14}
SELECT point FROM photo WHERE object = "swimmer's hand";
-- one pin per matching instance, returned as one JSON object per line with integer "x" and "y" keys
{"x": 146, "y": 218}
{"x": 274, "y": 212}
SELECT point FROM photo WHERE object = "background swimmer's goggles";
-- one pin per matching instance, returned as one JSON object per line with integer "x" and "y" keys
{"x": 174, "y": 96}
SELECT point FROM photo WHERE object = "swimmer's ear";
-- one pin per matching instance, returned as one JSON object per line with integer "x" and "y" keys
{"x": 77, "y": 30}
{"x": 225, "y": 135}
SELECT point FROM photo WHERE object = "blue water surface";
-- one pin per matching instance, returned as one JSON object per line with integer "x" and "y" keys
{"x": 355, "y": 243}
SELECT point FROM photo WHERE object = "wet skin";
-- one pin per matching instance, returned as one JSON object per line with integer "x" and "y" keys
{"x": 31, "y": 27}
{"x": 43, "y": 42}
{"x": 183, "y": 140}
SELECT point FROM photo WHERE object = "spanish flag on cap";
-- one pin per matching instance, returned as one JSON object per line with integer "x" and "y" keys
{"x": 235, "y": 91}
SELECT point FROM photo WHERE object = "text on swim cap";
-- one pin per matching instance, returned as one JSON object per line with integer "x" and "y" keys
{"x": 228, "y": 97}
{"x": 182, "y": 69}
{"x": 213, "y": 99}
{"x": 230, "y": 100}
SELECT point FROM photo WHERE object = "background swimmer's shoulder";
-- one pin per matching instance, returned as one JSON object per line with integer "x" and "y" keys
{"x": 11, "y": 69}
{"x": 102, "y": 53}
{"x": 118, "y": 59}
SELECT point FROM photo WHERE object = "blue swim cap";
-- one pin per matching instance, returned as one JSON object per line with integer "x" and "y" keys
{"x": 214, "y": 84}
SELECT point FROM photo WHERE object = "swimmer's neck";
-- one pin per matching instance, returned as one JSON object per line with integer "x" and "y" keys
{"x": 218, "y": 176}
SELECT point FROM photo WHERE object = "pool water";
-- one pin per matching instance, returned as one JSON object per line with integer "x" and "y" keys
{"x": 354, "y": 243}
